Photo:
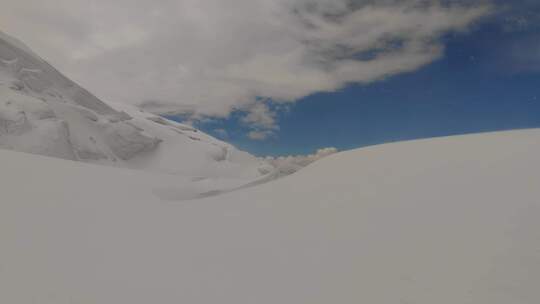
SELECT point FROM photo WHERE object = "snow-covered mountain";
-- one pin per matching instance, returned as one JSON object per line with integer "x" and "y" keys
{"x": 448, "y": 220}
{"x": 43, "y": 112}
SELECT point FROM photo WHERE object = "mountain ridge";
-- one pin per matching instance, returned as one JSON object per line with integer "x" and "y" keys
{"x": 43, "y": 112}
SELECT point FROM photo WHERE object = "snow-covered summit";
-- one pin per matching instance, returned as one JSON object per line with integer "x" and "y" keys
{"x": 43, "y": 112}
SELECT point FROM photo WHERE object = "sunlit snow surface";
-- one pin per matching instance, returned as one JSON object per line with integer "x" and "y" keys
{"x": 449, "y": 220}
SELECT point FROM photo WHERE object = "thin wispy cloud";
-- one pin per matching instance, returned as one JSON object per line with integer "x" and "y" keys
{"x": 260, "y": 134}
{"x": 209, "y": 58}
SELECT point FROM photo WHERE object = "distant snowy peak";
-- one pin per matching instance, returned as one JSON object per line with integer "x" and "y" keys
{"x": 34, "y": 75}
{"x": 43, "y": 112}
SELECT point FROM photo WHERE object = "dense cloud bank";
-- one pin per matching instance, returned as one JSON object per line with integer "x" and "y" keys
{"x": 212, "y": 57}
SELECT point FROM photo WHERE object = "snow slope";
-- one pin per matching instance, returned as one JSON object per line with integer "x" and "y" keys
{"x": 448, "y": 220}
{"x": 43, "y": 112}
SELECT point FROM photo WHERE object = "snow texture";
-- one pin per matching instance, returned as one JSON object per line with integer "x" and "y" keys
{"x": 449, "y": 220}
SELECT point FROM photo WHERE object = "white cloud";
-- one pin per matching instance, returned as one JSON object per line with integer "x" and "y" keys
{"x": 221, "y": 133}
{"x": 260, "y": 134}
{"x": 289, "y": 164}
{"x": 210, "y": 57}
{"x": 259, "y": 115}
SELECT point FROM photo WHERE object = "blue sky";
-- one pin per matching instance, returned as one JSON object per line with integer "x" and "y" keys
{"x": 488, "y": 79}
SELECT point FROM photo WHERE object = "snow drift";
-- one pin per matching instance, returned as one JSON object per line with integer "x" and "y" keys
{"x": 448, "y": 220}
